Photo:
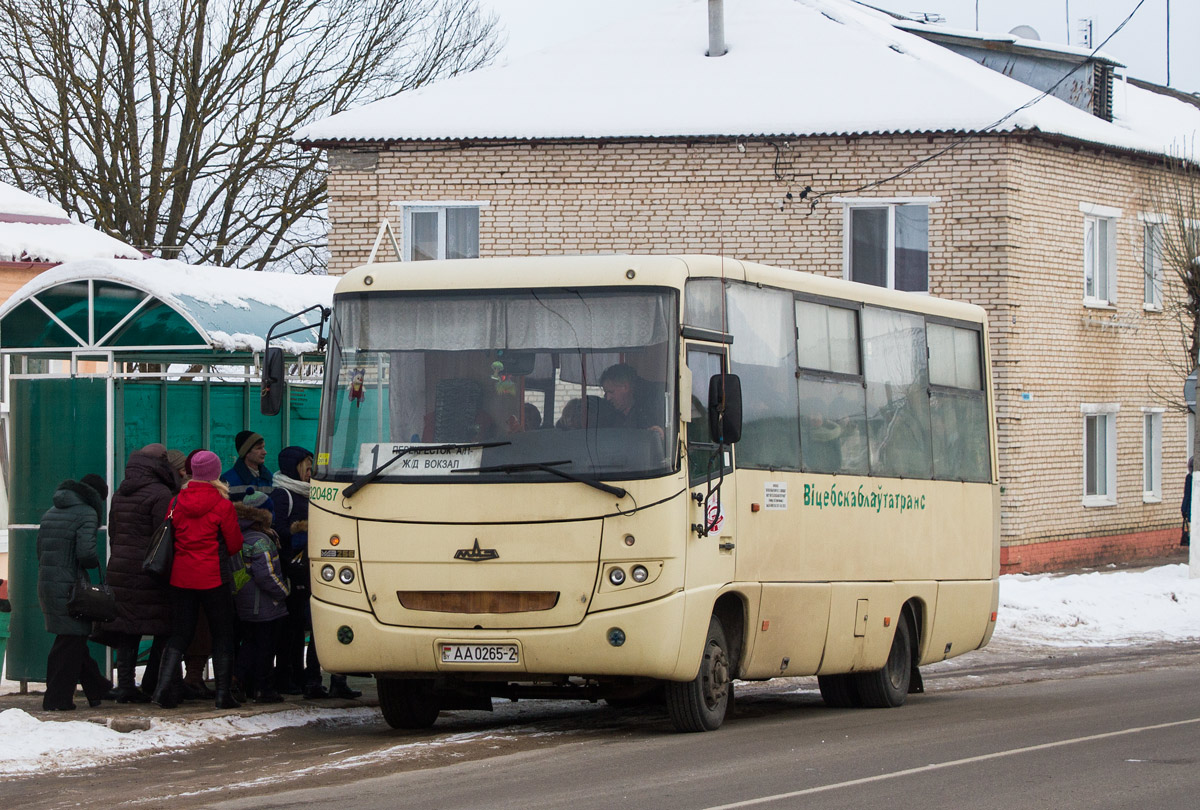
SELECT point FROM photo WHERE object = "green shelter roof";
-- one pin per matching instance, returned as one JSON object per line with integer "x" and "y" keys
{"x": 127, "y": 305}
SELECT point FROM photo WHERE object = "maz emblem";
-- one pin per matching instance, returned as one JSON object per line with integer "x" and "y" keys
{"x": 476, "y": 554}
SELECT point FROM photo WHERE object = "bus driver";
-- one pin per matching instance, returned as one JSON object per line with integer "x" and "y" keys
{"x": 633, "y": 398}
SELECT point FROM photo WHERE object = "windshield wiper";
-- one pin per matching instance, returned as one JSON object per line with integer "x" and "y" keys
{"x": 548, "y": 466}
{"x": 367, "y": 478}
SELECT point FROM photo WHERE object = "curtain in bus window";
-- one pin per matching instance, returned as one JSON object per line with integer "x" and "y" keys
{"x": 912, "y": 248}
{"x": 869, "y": 246}
{"x": 462, "y": 233}
{"x": 703, "y": 303}
{"x": 954, "y": 357}
{"x": 827, "y": 337}
{"x": 544, "y": 321}
{"x": 764, "y": 356}
{"x": 585, "y": 368}
{"x": 407, "y": 400}
{"x": 897, "y": 375}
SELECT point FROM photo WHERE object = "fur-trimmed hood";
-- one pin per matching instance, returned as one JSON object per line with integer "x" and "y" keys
{"x": 71, "y": 492}
{"x": 251, "y": 517}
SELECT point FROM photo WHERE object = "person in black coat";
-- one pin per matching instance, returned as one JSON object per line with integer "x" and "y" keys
{"x": 139, "y": 506}
{"x": 296, "y": 671}
{"x": 66, "y": 547}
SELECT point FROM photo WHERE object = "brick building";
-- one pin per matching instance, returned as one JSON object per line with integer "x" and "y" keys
{"x": 917, "y": 164}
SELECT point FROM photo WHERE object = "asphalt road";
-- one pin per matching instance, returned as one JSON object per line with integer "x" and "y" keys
{"x": 1002, "y": 729}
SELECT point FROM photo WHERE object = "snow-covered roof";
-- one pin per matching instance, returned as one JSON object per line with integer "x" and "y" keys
{"x": 34, "y": 230}
{"x": 226, "y": 309}
{"x": 793, "y": 67}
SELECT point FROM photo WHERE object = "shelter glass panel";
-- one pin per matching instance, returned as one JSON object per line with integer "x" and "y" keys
{"x": 227, "y": 418}
{"x": 141, "y": 404}
{"x": 112, "y": 302}
{"x": 156, "y": 325}
{"x": 185, "y": 409}
{"x": 70, "y": 303}
{"x": 28, "y": 327}
{"x": 305, "y": 410}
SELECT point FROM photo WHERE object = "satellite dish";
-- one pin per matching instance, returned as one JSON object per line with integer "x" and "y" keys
{"x": 1025, "y": 32}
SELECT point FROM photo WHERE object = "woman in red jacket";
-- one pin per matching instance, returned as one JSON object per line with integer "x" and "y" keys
{"x": 206, "y": 531}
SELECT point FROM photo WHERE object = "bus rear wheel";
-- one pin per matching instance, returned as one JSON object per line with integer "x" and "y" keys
{"x": 701, "y": 703}
{"x": 888, "y": 687}
{"x": 408, "y": 703}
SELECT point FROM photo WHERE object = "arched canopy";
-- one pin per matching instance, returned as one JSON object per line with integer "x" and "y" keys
{"x": 142, "y": 307}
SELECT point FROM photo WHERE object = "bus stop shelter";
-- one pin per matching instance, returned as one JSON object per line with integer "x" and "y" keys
{"x": 102, "y": 357}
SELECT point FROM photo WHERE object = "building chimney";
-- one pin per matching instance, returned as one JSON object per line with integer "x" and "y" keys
{"x": 716, "y": 28}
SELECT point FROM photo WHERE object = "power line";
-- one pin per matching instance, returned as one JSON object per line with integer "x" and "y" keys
{"x": 972, "y": 136}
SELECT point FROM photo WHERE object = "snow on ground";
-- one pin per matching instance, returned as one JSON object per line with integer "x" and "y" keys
{"x": 1102, "y": 608}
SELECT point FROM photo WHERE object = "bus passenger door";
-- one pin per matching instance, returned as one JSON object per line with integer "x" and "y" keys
{"x": 711, "y": 538}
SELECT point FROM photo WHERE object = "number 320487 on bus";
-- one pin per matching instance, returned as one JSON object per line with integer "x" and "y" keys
{"x": 480, "y": 654}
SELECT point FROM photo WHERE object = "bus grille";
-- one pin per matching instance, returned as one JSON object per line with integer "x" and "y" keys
{"x": 478, "y": 601}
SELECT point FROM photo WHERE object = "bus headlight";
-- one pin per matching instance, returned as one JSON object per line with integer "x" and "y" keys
{"x": 327, "y": 573}
{"x": 346, "y": 576}
{"x": 639, "y": 574}
{"x": 616, "y": 576}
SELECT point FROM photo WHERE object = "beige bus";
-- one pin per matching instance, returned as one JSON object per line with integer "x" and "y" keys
{"x": 646, "y": 477}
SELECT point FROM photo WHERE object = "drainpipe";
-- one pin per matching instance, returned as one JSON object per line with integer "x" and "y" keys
{"x": 716, "y": 28}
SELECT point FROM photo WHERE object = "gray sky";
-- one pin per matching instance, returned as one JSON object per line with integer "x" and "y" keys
{"x": 1141, "y": 45}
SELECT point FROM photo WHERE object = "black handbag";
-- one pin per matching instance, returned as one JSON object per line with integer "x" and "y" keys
{"x": 160, "y": 556}
{"x": 91, "y": 602}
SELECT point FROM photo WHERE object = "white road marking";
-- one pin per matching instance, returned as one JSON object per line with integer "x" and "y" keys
{"x": 951, "y": 764}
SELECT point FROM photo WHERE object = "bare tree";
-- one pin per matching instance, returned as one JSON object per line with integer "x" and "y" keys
{"x": 1172, "y": 246}
{"x": 166, "y": 122}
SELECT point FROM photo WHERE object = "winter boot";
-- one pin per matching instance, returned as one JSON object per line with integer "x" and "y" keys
{"x": 338, "y": 688}
{"x": 127, "y": 691}
{"x": 223, "y": 666}
{"x": 193, "y": 683}
{"x": 315, "y": 691}
{"x": 164, "y": 694}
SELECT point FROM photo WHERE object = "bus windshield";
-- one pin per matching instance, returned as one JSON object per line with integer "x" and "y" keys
{"x": 501, "y": 385}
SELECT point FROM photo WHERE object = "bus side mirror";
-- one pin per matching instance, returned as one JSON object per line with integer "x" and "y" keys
{"x": 272, "y": 382}
{"x": 725, "y": 408}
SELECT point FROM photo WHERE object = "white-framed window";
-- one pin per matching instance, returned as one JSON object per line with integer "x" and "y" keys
{"x": 1099, "y": 254}
{"x": 1152, "y": 262}
{"x": 1152, "y": 455}
{"x": 886, "y": 242}
{"x": 441, "y": 230}
{"x": 1099, "y": 453}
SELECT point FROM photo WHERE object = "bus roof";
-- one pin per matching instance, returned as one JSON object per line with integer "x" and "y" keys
{"x": 620, "y": 270}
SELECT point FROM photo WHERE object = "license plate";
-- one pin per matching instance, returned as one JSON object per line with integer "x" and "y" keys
{"x": 480, "y": 654}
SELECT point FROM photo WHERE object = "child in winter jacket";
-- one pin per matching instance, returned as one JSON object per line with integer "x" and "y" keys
{"x": 261, "y": 604}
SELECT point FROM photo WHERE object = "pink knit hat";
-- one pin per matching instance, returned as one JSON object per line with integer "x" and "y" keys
{"x": 206, "y": 466}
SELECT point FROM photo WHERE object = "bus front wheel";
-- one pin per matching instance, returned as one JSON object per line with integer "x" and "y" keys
{"x": 701, "y": 703}
{"x": 839, "y": 691}
{"x": 888, "y": 687}
{"x": 408, "y": 703}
